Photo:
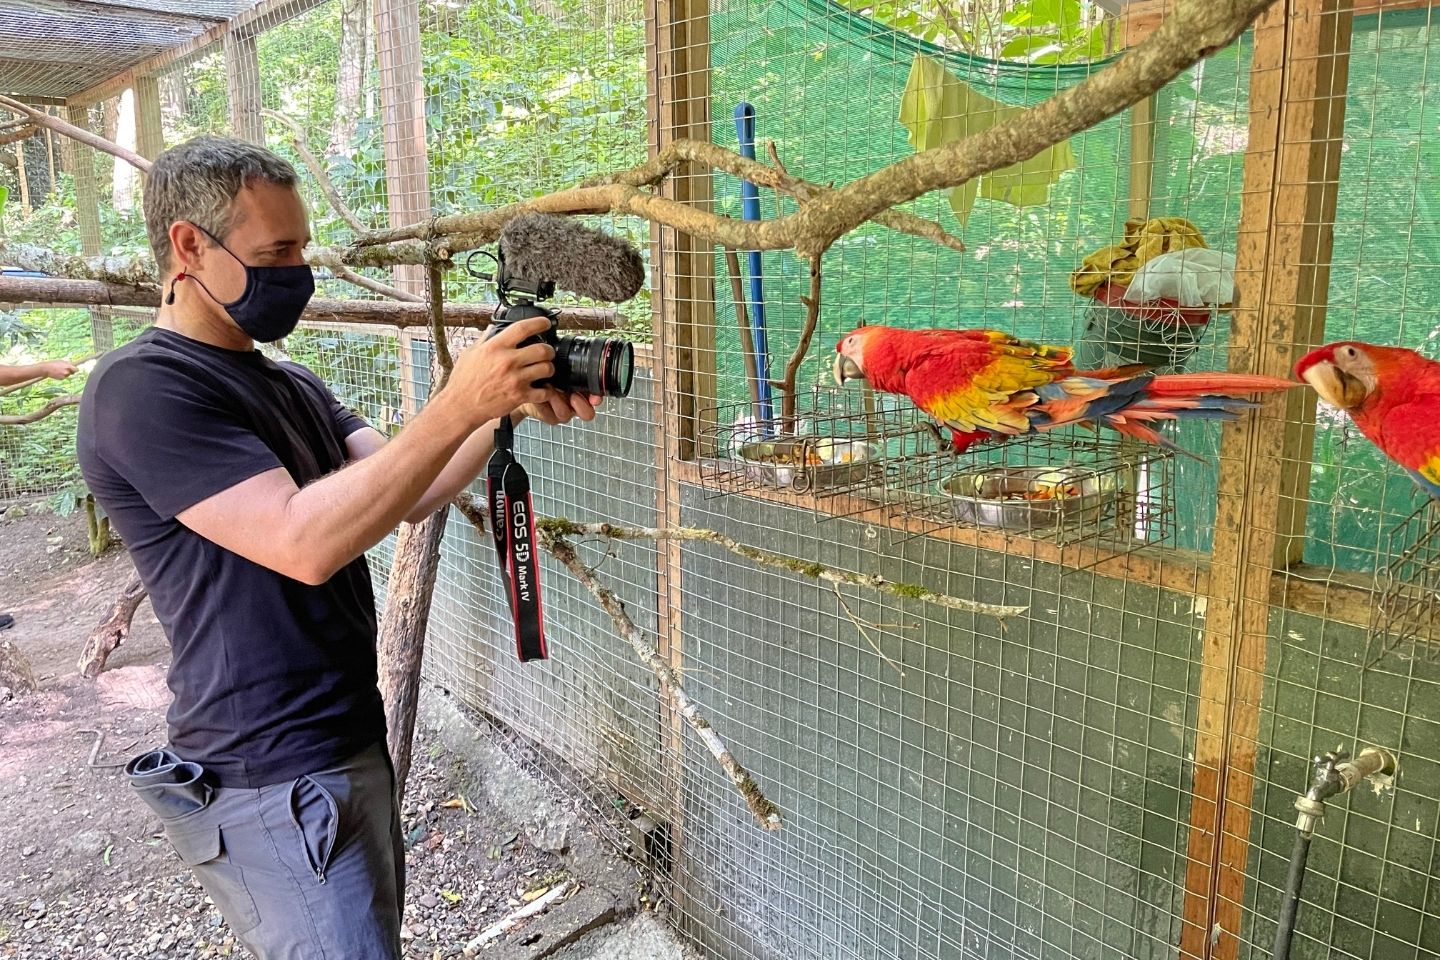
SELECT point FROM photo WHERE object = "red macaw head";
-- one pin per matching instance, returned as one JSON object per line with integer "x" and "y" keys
{"x": 1348, "y": 373}
{"x": 850, "y": 354}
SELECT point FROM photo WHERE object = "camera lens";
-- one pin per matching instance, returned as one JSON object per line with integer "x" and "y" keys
{"x": 602, "y": 368}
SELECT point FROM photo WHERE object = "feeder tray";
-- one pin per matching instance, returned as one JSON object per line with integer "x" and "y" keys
{"x": 806, "y": 464}
{"x": 1031, "y": 498}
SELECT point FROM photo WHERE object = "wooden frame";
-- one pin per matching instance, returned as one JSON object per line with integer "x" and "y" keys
{"x": 1298, "y": 80}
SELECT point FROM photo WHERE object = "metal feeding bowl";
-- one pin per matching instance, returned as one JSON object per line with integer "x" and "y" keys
{"x": 1031, "y": 498}
{"x": 808, "y": 464}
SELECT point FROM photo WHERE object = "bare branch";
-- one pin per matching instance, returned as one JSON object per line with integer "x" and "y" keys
{"x": 44, "y": 119}
{"x": 301, "y": 146}
{"x": 376, "y": 286}
{"x": 59, "y": 403}
{"x": 747, "y": 336}
{"x": 802, "y": 347}
{"x": 113, "y": 630}
{"x": 17, "y": 130}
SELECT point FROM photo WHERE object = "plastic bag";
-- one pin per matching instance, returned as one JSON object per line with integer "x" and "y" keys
{"x": 1194, "y": 277}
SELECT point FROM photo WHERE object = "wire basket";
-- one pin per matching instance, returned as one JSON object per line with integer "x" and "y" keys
{"x": 1407, "y": 602}
{"x": 1160, "y": 334}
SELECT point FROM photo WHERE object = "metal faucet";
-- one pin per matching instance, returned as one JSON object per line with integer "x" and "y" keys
{"x": 1335, "y": 773}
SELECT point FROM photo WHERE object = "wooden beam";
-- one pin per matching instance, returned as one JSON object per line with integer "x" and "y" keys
{"x": 149, "y": 127}
{"x": 242, "y": 84}
{"x": 1298, "y": 80}
{"x": 1139, "y": 19}
{"x": 269, "y": 13}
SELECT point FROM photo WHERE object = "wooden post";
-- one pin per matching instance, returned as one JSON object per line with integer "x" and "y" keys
{"x": 417, "y": 546}
{"x": 242, "y": 82}
{"x": 80, "y": 160}
{"x": 149, "y": 128}
{"x": 678, "y": 49}
{"x": 1297, "y": 104}
{"x": 50, "y": 153}
{"x": 1142, "y": 157}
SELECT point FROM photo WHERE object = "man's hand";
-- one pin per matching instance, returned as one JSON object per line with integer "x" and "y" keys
{"x": 560, "y": 408}
{"x": 496, "y": 376}
{"x": 58, "y": 369}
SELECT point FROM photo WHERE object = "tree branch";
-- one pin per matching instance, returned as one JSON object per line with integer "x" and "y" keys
{"x": 17, "y": 130}
{"x": 40, "y": 413}
{"x": 802, "y": 347}
{"x": 376, "y": 286}
{"x": 112, "y": 631}
{"x": 567, "y": 528}
{"x": 301, "y": 146}
{"x": 41, "y": 118}
{"x": 1194, "y": 30}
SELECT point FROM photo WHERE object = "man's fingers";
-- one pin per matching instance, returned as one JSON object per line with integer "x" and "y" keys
{"x": 533, "y": 354}
{"x": 542, "y": 370}
{"x": 521, "y": 330}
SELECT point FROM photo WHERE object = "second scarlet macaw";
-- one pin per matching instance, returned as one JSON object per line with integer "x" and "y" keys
{"x": 986, "y": 385}
{"x": 1392, "y": 394}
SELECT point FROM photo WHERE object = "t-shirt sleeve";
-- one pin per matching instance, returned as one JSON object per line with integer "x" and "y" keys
{"x": 346, "y": 421}
{"x": 171, "y": 435}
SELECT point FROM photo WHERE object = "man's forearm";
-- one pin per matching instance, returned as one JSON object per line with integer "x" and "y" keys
{"x": 340, "y": 517}
{"x": 460, "y": 472}
{"x": 9, "y": 376}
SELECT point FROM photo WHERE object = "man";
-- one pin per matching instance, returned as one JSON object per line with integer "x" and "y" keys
{"x": 247, "y": 496}
{"x": 11, "y": 375}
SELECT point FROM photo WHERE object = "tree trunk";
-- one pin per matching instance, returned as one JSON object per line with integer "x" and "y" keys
{"x": 350, "y": 80}
{"x": 122, "y": 175}
{"x": 50, "y": 159}
{"x": 402, "y": 632}
{"x": 113, "y": 630}
{"x": 175, "y": 93}
{"x": 110, "y": 118}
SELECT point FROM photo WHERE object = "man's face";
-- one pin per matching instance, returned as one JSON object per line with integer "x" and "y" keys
{"x": 270, "y": 229}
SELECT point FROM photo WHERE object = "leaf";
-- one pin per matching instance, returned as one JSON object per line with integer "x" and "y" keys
{"x": 107, "y": 853}
{"x": 531, "y": 895}
{"x": 454, "y": 803}
{"x": 450, "y": 896}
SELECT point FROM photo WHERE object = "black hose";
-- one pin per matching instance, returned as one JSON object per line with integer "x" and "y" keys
{"x": 1291, "y": 903}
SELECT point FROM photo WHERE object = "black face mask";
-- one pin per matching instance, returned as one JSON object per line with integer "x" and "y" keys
{"x": 273, "y": 300}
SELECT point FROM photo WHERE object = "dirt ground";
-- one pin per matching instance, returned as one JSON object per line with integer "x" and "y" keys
{"x": 84, "y": 869}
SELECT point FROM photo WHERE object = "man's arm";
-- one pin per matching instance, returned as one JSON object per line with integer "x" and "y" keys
{"x": 308, "y": 534}
{"x": 55, "y": 370}
{"x": 472, "y": 455}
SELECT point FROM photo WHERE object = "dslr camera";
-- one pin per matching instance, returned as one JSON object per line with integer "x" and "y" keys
{"x": 598, "y": 366}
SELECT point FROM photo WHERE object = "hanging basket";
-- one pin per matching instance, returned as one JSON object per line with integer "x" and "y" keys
{"x": 1158, "y": 333}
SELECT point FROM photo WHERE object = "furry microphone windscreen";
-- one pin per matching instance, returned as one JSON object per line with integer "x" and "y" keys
{"x": 588, "y": 262}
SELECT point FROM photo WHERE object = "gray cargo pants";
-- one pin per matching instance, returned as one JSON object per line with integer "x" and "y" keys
{"x": 307, "y": 869}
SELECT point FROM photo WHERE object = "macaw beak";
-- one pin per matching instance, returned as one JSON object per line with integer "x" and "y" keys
{"x": 1335, "y": 386}
{"x": 846, "y": 369}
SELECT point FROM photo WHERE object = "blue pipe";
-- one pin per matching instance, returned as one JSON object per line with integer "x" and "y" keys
{"x": 750, "y": 210}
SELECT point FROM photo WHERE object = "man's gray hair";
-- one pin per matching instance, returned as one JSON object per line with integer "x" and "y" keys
{"x": 199, "y": 180}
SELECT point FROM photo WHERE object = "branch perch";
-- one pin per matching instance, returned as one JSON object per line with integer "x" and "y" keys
{"x": 375, "y": 286}
{"x": 552, "y": 538}
{"x": 113, "y": 630}
{"x": 34, "y": 416}
{"x": 43, "y": 119}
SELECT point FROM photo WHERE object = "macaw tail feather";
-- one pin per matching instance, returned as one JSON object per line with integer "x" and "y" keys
{"x": 1141, "y": 431}
{"x": 1222, "y": 384}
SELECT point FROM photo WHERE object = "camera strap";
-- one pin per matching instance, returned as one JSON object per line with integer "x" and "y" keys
{"x": 512, "y": 521}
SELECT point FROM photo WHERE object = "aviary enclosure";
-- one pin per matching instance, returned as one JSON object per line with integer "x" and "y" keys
{"x": 1066, "y": 725}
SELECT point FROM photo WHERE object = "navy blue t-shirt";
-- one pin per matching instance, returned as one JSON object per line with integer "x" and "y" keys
{"x": 272, "y": 678}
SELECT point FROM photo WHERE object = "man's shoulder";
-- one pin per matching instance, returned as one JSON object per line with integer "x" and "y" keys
{"x": 143, "y": 362}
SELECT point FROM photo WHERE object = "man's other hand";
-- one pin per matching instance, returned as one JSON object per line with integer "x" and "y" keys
{"x": 58, "y": 369}
{"x": 559, "y": 408}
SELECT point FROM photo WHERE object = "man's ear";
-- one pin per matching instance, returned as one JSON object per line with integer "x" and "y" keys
{"x": 187, "y": 242}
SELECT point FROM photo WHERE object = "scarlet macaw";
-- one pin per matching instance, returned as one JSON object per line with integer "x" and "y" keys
{"x": 1392, "y": 394}
{"x": 986, "y": 385}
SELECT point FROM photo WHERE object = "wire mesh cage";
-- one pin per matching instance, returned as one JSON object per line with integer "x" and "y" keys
{"x": 1407, "y": 596}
